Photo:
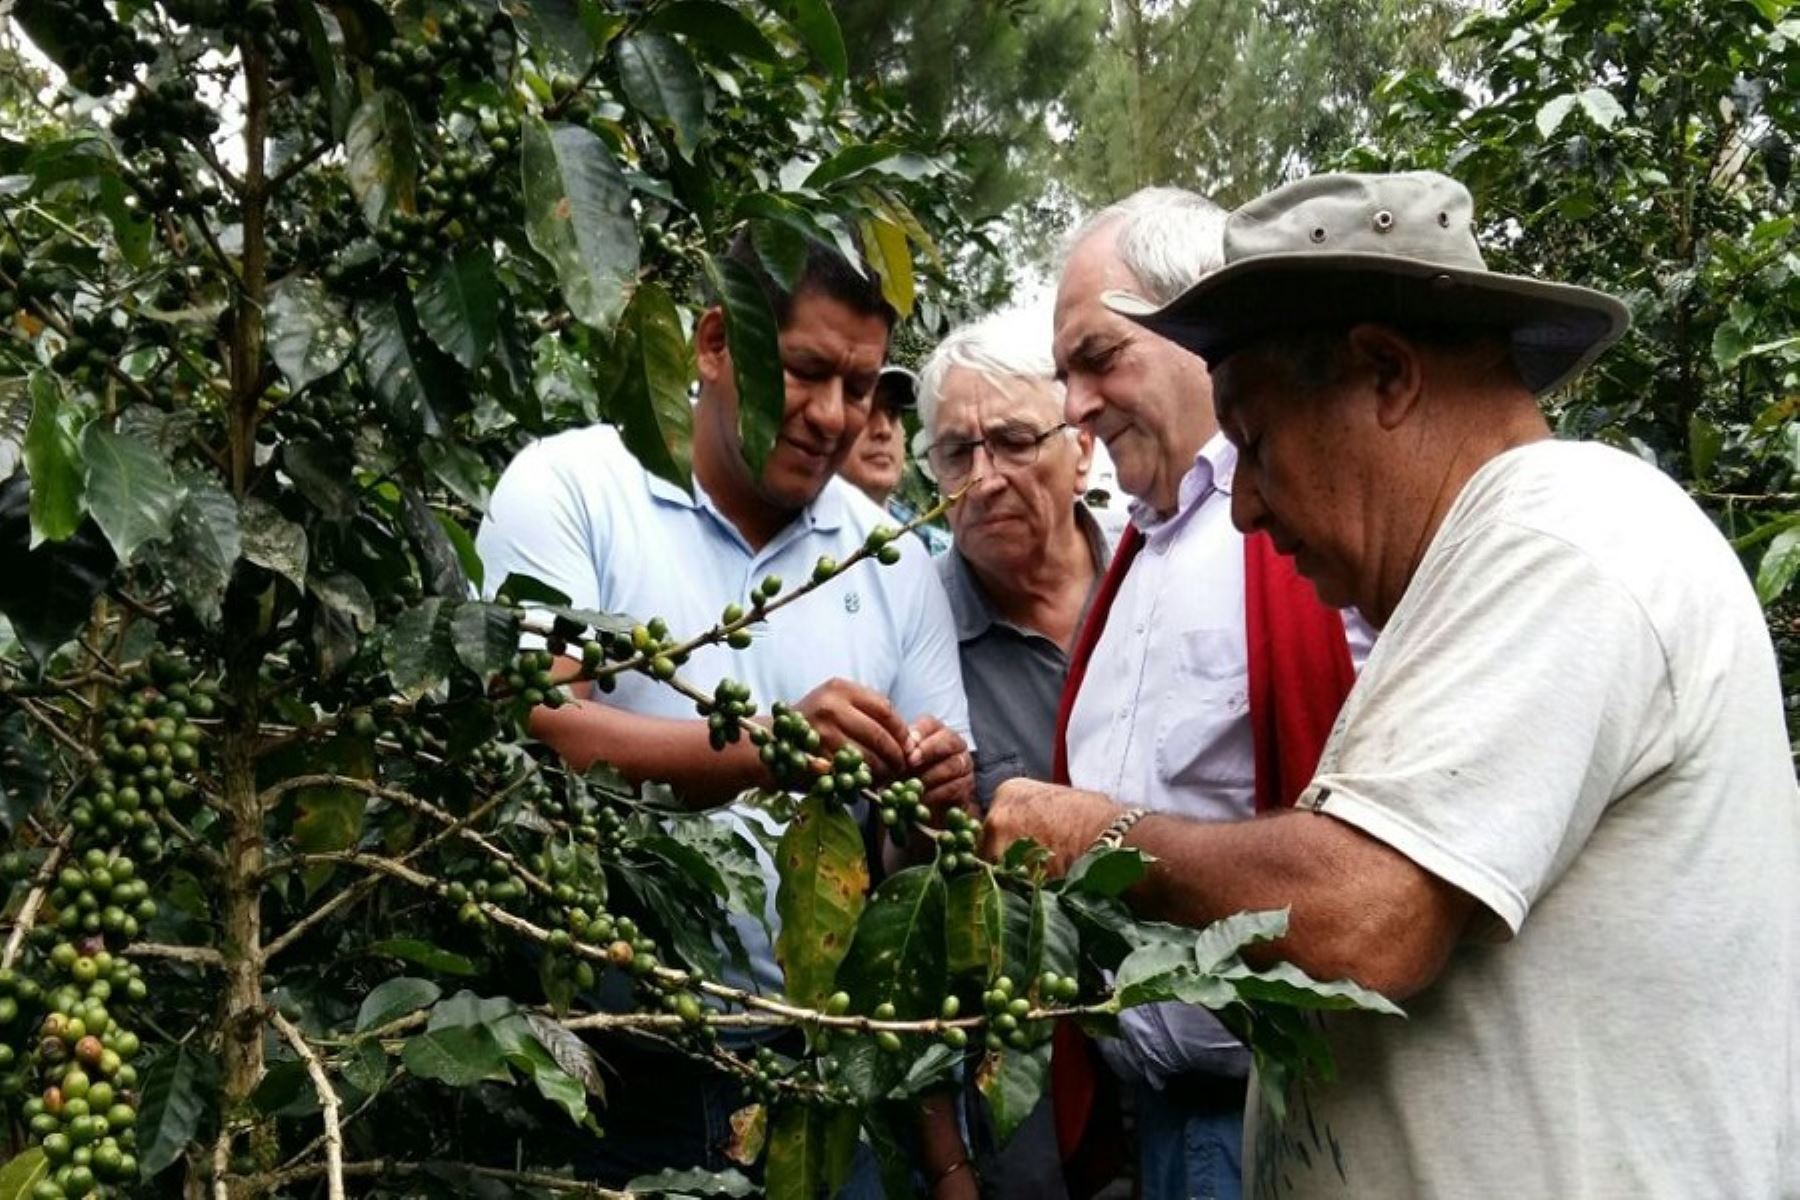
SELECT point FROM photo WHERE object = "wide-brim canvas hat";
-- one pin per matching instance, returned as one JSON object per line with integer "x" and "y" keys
{"x": 897, "y": 388}
{"x": 1332, "y": 250}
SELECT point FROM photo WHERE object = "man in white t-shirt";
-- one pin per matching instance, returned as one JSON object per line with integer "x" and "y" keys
{"x": 870, "y": 658}
{"x": 1165, "y": 706}
{"x": 1557, "y": 815}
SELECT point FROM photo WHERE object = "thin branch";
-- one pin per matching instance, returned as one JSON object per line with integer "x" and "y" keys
{"x": 407, "y": 800}
{"x": 54, "y": 730}
{"x": 40, "y": 887}
{"x": 199, "y": 956}
{"x": 363, "y": 887}
{"x": 382, "y": 1166}
{"x": 328, "y": 1104}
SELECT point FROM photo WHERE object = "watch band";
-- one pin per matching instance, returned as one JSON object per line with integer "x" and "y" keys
{"x": 1113, "y": 836}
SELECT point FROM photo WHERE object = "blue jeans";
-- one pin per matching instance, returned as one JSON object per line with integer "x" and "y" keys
{"x": 1188, "y": 1153}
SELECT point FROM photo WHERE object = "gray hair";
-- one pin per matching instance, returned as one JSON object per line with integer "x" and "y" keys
{"x": 1013, "y": 343}
{"x": 1168, "y": 238}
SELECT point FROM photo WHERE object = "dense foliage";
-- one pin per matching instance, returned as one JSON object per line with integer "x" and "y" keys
{"x": 1645, "y": 147}
{"x": 288, "y": 899}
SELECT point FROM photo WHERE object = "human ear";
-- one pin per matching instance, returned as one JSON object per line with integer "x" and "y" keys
{"x": 711, "y": 352}
{"x": 1084, "y": 459}
{"x": 1394, "y": 365}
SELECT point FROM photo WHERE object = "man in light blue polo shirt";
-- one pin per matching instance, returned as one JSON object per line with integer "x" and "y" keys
{"x": 871, "y": 657}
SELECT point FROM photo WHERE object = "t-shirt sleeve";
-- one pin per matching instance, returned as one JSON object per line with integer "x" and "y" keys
{"x": 1518, "y": 694}
{"x": 537, "y": 525}
{"x": 930, "y": 682}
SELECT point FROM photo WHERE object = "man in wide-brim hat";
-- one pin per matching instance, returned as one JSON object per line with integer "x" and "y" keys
{"x": 1557, "y": 817}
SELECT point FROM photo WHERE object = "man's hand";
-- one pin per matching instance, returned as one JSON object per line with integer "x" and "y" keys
{"x": 937, "y": 756}
{"x": 1064, "y": 821}
{"x": 849, "y": 713}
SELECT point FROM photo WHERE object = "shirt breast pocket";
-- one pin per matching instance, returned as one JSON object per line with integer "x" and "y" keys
{"x": 1203, "y": 733}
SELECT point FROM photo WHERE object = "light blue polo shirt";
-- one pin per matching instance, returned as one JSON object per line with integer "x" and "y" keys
{"x": 578, "y": 512}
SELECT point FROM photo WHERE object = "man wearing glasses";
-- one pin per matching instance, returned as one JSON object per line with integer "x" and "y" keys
{"x": 1216, "y": 673}
{"x": 1021, "y": 571}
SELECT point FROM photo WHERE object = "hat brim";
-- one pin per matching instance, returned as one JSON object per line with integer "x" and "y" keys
{"x": 1557, "y": 329}
{"x": 897, "y": 388}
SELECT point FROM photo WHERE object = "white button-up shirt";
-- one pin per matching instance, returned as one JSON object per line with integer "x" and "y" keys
{"x": 1162, "y": 720}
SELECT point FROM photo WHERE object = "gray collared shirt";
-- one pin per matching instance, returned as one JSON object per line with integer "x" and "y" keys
{"x": 1013, "y": 676}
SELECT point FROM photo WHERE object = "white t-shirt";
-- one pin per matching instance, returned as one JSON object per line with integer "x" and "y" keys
{"x": 1162, "y": 720}
{"x": 1574, "y": 716}
{"x": 579, "y": 513}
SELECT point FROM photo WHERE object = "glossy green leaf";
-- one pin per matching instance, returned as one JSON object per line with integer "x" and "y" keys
{"x": 325, "y": 50}
{"x": 896, "y": 957}
{"x": 885, "y": 246}
{"x": 730, "y": 855}
{"x": 172, "y": 1103}
{"x": 381, "y": 157}
{"x": 205, "y": 544}
{"x": 1780, "y": 563}
{"x": 671, "y": 1182}
{"x": 53, "y": 460}
{"x": 310, "y": 335}
{"x": 1286, "y": 984}
{"x": 1551, "y": 116}
{"x": 824, "y": 875}
{"x": 810, "y": 1150}
{"x": 272, "y": 541}
{"x": 715, "y": 25}
{"x": 1012, "y": 1082}
{"x": 781, "y": 248}
{"x": 458, "y": 1056}
{"x": 819, "y": 31}
{"x": 366, "y": 1066}
{"x": 1107, "y": 872}
{"x": 21, "y": 1174}
{"x": 556, "y": 33}
{"x": 412, "y": 379}
{"x": 973, "y": 925}
{"x": 130, "y": 490}
{"x": 1601, "y": 107}
{"x": 394, "y": 998}
{"x": 47, "y": 593}
{"x": 661, "y": 82}
{"x": 423, "y": 954}
{"x": 324, "y": 475}
{"x": 459, "y": 305}
{"x": 1219, "y": 942}
{"x": 419, "y": 652}
{"x": 649, "y": 402}
{"x": 486, "y": 637}
{"x": 578, "y": 216}
{"x": 754, "y": 341}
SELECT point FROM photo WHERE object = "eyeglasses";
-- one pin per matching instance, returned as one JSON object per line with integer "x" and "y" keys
{"x": 1010, "y": 446}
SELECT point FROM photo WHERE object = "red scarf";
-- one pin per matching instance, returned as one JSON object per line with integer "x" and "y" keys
{"x": 1300, "y": 671}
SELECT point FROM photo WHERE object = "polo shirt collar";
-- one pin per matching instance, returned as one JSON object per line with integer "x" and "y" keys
{"x": 969, "y": 601}
{"x": 826, "y": 512}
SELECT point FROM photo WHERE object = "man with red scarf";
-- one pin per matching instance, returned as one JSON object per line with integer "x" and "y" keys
{"x": 1207, "y": 675}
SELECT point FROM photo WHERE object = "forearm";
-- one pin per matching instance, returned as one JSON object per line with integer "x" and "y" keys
{"x": 669, "y": 750}
{"x": 1357, "y": 909}
{"x": 941, "y": 1146}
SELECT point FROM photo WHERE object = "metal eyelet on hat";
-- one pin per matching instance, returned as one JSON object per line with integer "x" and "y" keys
{"x": 1318, "y": 233}
{"x": 1444, "y": 219}
{"x": 1384, "y": 221}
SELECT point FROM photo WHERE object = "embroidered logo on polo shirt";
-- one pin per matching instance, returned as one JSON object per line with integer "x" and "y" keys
{"x": 852, "y": 602}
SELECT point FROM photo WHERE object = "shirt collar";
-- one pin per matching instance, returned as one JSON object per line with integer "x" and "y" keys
{"x": 969, "y": 601}
{"x": 825, "y": 513}
{"x": 1211, "y": 474}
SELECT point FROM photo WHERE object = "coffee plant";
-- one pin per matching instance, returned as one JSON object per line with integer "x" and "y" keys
{"x": 292, "y": 904}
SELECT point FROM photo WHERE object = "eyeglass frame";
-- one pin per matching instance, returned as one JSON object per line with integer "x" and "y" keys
{"x": 1037, "y": 449}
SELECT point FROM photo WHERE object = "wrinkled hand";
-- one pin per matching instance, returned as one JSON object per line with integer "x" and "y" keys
{"x": 1063, "y": 820}
{"x": 937, "y": 756}
{"x": 849, "y": 713}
